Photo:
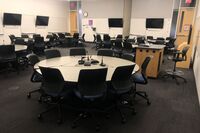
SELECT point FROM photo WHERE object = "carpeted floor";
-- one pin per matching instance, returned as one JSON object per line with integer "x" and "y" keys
{"x": 174, "y": 108}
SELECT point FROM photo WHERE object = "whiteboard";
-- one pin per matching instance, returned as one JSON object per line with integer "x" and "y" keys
{"x": 101, "y": 25}
{"x": 1, "y": 23}
{"x": 57, "y": 24}
{"x": 28, "y": 23}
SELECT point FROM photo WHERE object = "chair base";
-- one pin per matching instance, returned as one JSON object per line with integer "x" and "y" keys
{"x": 174, "y": 75}
{"x": 144, "y": 95}
{"x": 56, "y": 105}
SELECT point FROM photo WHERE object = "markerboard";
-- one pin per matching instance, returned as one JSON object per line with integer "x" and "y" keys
{"x": 28, "y": 23}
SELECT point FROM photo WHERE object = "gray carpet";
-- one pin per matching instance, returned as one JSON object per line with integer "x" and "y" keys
{"x": 174, "y": 108}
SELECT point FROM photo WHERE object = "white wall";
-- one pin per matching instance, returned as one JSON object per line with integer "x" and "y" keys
{"x": 142, "y": 9}
{"x": 99, "y": 11}
{"x": 196, "y": 66}
{"x": 58, "y": 12}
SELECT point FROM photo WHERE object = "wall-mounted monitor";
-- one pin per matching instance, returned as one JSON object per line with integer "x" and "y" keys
{"x": 115, "y": 22}
{"x": 42, "y": 21}
{"x": 12, "y": 19}
{"x": 156, "y": 23}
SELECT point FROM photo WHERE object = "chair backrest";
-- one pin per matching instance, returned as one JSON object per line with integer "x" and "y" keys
{"x": 119, "y": 36}
{"x": 52, "y": 53}
{"x": 122, "y": 73}
{"x": 98, "y": 37}
{"x": 106, "y": 37}
{"x": 24, "y": 36}
{"x": 36, "y": 35}
{"x": 39, "y": 39}
{"x": 168, "y": 38}
{"x": 184, "y": 52}
{"x": 160, "y": 38}
{"x": 128, "y": 56}
{"x": 89, "y": 80}
{"x": 61, "y": 35}
{"x": 49, "y": 36}
{"x": 83, "y": 37}
{"x": 12, "y": 38}
{"x": 145, "y": 65}
{"x": 7, "y": 50}
{"x": 76, "y": 36}
{"x": 140, "y": 40}
{"x": 118, "y": 43}
{"x": 77, "y": 51}
{"x": 128, "y": 46}
{"x": 105, "y": 52}
{"x": 150, "y": 37}
{"x": 32, "y": 59}
{"x": 51, "y": 75}
{"x": 67, "y": 34}
{"x": 20, "y": 41}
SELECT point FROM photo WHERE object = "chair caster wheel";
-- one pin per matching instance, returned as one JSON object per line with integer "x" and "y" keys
{"x": 60, "y": 121}
{"x": 123, "y": 121}
{"x": 97, "y": 128}
{"x": 148, "y": 103}
{"x": 28, "y": 95}
{"x": 39, "y": 117}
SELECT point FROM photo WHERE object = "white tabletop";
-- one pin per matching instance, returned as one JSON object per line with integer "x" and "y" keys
{"x": 69, "y": 67}
{"x": 151, "y": 46}
{"x": 20, "y": 47}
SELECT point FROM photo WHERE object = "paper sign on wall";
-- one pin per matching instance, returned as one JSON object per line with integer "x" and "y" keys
{"x": 90, "y": 22}
{"x": 186, "y": 27}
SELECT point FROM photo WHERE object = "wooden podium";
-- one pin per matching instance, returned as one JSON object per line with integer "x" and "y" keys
{"x": 156, "y": 52}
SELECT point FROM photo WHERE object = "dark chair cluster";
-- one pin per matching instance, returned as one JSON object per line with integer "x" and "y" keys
{"x": 89, "y": 97}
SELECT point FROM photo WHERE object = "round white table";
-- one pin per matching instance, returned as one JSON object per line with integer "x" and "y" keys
{"x": 20, "y": 47}
{"x": 69, "y": 67}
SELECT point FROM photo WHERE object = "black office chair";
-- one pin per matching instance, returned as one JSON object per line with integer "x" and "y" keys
{"x": 141, "y": 40}
{"x": 53, "y": 88}
{"x": 20, "y": 41}
{"x": 118, "y": 48}
{"x": 178, "y": 56}
{"x": 77, "y": 51}
{"x": 89, "y": 91}
{"x": 52, "y": 53}
{"x": 121, "y": 85}
{"x": 160, "y": 38}
{"x": 105, "y": 52}
{"x": 141, "y": 78}
{"x": 75, "y": 39}
{"x": 98, "y": 41}
{"x": 61, "y": 35}
{"x": 39, "y": 45}
{"x": 106, "y": 41}
{"x": 36, "y": 77}
{"x": 128, "y": 56}
{"x": 149, "y": 37}
{"x": 36, "y": 35}
{"x": 24, "y": 36}
{"x": 128, "y": 48}
{"x": 67, "y": 34}
{"x": 8, "y": 56}
{"x": 12, "y": 39}
{"x": 170, "y": 45}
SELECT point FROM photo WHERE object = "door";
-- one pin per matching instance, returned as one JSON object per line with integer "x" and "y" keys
{"x": 73, "y": 22}
{"x": 184, "y": 22}
{"x": 184, "y": 32}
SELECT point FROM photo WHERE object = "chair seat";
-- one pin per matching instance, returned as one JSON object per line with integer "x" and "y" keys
{"x": 54, "y": 89}
{"x": 91, "y": 92}
{"x": 138, "y": 78}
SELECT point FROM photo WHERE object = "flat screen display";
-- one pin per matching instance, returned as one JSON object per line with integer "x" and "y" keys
{"x": 42, "y": 21}
{"x": 11, "y": 19}
{"x": 156, "y": 23}
{"x": 115, "y": 22}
